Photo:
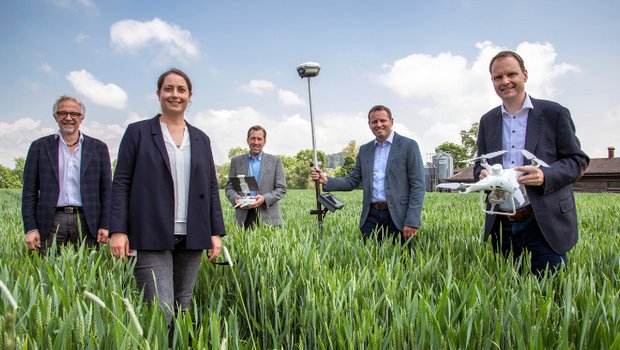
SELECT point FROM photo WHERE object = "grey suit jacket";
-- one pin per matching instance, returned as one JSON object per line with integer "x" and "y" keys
{"x": 41, "y": 185}
{"x": 550, "y": 136}
{"x": 404, "y": 181}
{"x": 271, "y": 185}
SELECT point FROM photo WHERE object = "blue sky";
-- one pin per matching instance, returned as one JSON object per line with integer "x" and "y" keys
{"x": 427, "y": 60}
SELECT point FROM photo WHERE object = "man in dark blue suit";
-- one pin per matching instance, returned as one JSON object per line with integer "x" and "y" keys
{"x": 67, "y": 180}
{"x": 546, "y": 224}
{"x": 391, "y": 172}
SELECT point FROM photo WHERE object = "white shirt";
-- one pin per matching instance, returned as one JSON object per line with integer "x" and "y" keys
{"x": 180, "y": 167}
{"x": 69, "y": 173}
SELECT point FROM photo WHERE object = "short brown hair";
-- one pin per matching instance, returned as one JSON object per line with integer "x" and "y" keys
{"x": 160, "y": 81}
{"x": 503, "y": 54}
{"x": 257, "y": 128}
{"x": 380, "y": 108}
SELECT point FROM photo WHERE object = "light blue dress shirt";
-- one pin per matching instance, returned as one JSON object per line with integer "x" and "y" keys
{"x": 254, "y": 167}
{"x": 382, "y": 152}
{"x": 513, "y": 140}
{"x": 513, "y": 134}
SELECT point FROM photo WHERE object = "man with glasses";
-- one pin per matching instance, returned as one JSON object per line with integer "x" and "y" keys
{"x": 67, "y": 183}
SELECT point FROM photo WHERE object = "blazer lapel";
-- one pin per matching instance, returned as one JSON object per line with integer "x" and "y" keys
{"x": 158, "y": 138}
{"x": 52, "y": 154}
{"x": 394, "y": 153}
{"x": 87, "y": 155}
{"x": 534, "y": 127}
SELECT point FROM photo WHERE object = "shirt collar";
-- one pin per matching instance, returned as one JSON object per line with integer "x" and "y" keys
{"x": 527, "y": 104}
{"x": 57, "y": 135}
{"x": 388, "y": 140}
{"x": 259, "y": 157}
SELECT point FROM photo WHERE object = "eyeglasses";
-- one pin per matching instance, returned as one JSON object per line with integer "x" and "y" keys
{"x": 73, "y": 115}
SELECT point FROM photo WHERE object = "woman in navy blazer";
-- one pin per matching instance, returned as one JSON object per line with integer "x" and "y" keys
{"x": 165, "y": 201}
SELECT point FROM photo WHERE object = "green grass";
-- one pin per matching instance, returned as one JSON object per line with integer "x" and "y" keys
{"x": 292, "y": 288}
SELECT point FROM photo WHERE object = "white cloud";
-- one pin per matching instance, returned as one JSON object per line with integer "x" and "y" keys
{"x": 134, "y": 35}
{"x": 45, "y": 67}
{"x": 446, "y": 93}
{"x": 16, "y": 137}
{"x": 109, "y": 95}
{"x": 258, "y": 87}
{"x": 80, "y": 38}
{"x": 88, "y": 5}
{"x": 289, "y": 98}
{"x": 32, "y": 85}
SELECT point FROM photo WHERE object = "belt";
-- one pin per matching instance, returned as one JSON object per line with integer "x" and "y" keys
{"x": 521, "y": 214}
{"x": 379, "y": 205}
{"x": 69, "y": 209}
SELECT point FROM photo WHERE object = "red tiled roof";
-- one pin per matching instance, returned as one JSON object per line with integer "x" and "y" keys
{"x": 603, "y": 166}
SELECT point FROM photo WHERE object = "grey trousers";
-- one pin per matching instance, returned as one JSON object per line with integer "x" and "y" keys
{"x": 169, "y": 275}
{"x": 65, "y": 230}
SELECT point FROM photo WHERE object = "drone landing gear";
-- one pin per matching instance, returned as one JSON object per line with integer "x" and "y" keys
{"x": 496, "y": 197}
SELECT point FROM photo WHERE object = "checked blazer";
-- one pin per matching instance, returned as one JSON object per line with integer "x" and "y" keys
{"x": 41, "y": 185}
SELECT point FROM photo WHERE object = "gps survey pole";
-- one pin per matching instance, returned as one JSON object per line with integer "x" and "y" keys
{"x": 309, "y": 70}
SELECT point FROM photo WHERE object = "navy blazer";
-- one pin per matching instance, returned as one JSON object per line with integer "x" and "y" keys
{"x": 550, "y": 136}
{"x": 41, "y": 185}
{"x": 143, "y": 195}
{"x": 404, "y": 181}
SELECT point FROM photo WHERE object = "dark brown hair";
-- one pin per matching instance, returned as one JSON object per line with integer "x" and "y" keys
{"x": 380, "y": 108}
{"x": 160, "y": 81}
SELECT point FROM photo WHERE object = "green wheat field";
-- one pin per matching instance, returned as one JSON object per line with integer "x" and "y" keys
{"x": 292, "y": 288}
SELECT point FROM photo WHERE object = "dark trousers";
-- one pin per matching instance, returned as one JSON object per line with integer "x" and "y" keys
{"x": 65, "y": 229}
{"x": 251, "y": 219}
{"x": 518, "y": 236}
{"x": 379, "y": 225}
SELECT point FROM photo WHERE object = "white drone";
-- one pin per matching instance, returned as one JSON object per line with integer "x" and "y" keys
{"x": 501, "y": 183}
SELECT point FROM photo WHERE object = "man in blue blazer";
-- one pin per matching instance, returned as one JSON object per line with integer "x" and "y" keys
{"x": 66, "y": 175}
{"x": 546, "y": 224}
{"x": 269, "y": 173}
{"x": 391, "y": 172}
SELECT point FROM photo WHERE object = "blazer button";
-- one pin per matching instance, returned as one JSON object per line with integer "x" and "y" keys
{"x": 202, "y": 196}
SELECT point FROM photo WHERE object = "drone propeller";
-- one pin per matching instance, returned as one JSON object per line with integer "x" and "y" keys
{"x": 530, "y": 156}
{"x": 450, "y": 186}
{"x": 487, "y": 156}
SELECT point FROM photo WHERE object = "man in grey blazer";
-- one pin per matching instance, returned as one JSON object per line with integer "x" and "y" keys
{"x": 269, "y": 174}
{"x": 67, "y": 179}
{"x": 391, "y": 172}
{"x": 546, "y": 224}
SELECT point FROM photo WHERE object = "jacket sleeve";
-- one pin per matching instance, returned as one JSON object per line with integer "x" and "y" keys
{"x": 30, "y": 189}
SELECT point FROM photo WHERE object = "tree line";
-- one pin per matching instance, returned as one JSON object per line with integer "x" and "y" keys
{"x": 297, "y": 167}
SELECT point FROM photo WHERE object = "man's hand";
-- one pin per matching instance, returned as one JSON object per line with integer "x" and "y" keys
{"x": 259, "y": 201}
{"x": 409, "y": 231}
{"x": 216, "y": 242}
{"x": 532, "y": 176}
{"x": 119, "y": 245}
{"x": 33, "y": 240}
{"x": 102, "y": 235}
{"x": 318, "y": 174}
{"x": 484, "y": 173}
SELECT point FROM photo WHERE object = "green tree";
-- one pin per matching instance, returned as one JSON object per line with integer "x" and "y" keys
{"x": 457, "y": 152}
{"x": 468, "y": 140}
{"x": 222, "y": 174}
{"x": 345, "y": 169}
{"x": 351, "y": 149}
{"x": 13, "y": 178}
{"x": 236, "y": 151}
